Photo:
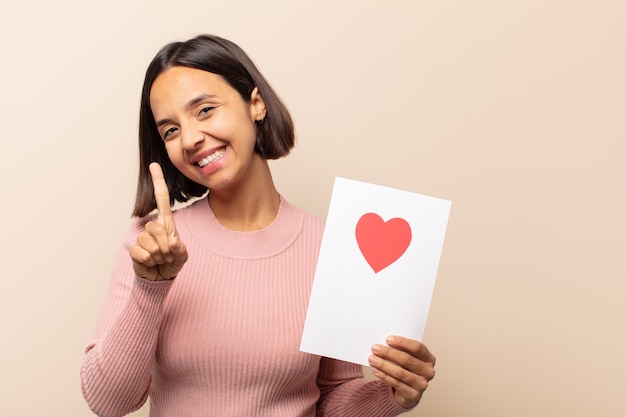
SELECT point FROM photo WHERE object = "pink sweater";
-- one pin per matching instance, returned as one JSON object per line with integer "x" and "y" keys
{"x": 222, "y": 339}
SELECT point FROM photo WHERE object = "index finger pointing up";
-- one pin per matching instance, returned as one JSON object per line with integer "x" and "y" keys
{"x": 161, "y": 193}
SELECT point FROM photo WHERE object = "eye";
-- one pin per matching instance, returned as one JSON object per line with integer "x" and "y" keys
{"x": 205, "y": 110}
{"x": 169, "y": 132}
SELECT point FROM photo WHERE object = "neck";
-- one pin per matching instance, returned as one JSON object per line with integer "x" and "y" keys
{"x": 250, "y": 205}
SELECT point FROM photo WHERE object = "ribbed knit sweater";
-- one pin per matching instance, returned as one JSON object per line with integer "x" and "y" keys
{"x": 222, "y": 338}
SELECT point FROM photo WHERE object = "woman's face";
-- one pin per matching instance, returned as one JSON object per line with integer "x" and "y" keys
{"x": 208, "y": 129}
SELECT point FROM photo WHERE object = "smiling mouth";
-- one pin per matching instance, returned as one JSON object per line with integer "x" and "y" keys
{"x": 211, "y": 158}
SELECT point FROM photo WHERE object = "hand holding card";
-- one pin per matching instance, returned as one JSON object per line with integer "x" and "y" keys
{"x": 380, "y": 253}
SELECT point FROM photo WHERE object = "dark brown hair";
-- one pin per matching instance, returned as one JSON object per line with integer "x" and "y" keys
{"x": 275, "y": 135}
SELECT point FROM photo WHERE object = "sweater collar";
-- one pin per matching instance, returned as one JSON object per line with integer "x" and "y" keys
{"x": 200, "y": 224}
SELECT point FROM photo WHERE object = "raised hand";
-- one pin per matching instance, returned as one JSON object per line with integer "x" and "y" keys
{"x": 159, "y": 254}
{"x": 406, "y": 365}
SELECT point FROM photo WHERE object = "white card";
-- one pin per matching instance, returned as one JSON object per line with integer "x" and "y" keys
{"x": 376, "y": 269}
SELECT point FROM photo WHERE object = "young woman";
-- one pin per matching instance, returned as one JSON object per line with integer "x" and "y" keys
{"x": 205, "y": 315}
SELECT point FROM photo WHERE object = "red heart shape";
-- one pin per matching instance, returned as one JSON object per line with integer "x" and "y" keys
{"x": 380, "y": 242}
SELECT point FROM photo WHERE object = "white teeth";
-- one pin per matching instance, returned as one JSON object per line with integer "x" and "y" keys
{"x": 211, "y": 158}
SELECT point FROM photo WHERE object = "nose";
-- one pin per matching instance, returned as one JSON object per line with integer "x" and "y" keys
{"x": 191, "y": 136}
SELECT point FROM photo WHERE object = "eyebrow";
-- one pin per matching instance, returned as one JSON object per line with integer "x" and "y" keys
{"x": 193, "y": 102}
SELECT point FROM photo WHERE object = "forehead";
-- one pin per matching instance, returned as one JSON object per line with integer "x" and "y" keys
{"x": 178, "y": 85}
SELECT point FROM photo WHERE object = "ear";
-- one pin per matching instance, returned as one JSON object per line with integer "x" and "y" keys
{"x": 257, "y": 106}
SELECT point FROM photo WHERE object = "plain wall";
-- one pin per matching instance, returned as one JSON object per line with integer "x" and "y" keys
{"x": 514, "y": 110}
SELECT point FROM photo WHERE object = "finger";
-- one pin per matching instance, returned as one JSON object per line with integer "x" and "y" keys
{"x": 408, "y": 387}
{"x": 180, "y": 256}
{"x": 154, "y": 240}
{"x": 161, "y": 193}
{"x": 141, "y": 256}
{"x": 179, "y": 250}
{"x": 411, "y": 360}
{"x": 406, "y": 374}
{"x": 413, "y": 347}
{"x": 143, "y": 264}
{"x": 407, "y": 395}
{"x": 394, "y": 371}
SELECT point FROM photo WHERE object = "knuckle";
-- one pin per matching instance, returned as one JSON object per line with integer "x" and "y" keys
{"x": 389, "y": 379}
{"x": 420, "y": 349}
{"x": 136, "y": 253}
{"x": 405, "y": 360}
{"x": 133, "y": 249}
{"x": 422, "y": 385}
{"x": 414, "y": 345}
{"x": 384, "y": 351}
{"x": 402, "y": 374}
{"x": 143, "y": 238}
{"x": 154, "y": 228}
{"x": 144, "y": 259}
{"x": 149, "y": 246}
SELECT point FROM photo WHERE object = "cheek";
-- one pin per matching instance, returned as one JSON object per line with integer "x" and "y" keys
{"x": 234, "y": 127}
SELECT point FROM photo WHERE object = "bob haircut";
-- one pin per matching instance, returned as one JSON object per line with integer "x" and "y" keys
{"x": 275, "y": 134}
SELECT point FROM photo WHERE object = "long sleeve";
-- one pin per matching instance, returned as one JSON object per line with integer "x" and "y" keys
{"x": 222, "y": 338}
{"x": 345, "y": 393}
{"x": 117, "y": 366}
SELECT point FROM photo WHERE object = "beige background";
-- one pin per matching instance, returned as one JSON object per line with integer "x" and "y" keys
{"x": 514, "y": 110}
